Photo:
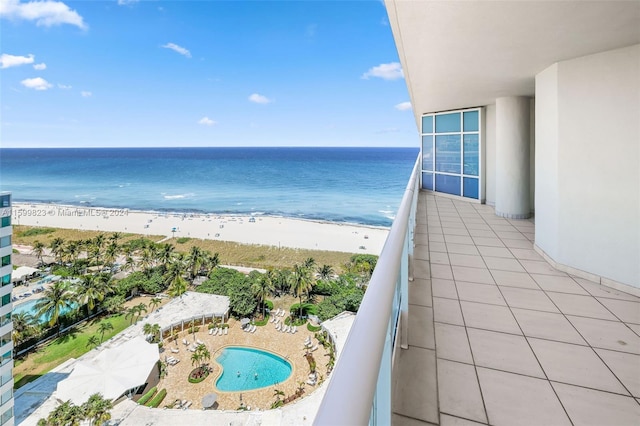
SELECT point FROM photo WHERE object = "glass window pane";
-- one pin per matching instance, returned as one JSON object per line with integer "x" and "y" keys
{"x": 427, "y": 124}
{"x": 448, "y": 123}
{"x": 448, "y": 153}
{"x": 470, "y": 189}
{"x": 448, "y": 184}
{"x": 471, "y": 122}
{"x": 427, "y": 181}
{"x": 427, "y": 153}
{"x": 471, "y": 155}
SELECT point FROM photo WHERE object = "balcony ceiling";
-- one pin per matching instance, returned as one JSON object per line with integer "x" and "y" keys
{"x": 458, "y": 54}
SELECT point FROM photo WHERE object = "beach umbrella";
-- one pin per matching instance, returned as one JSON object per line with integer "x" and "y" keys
{"x": 244, "y": 321}
{"x": 209, "y": 399}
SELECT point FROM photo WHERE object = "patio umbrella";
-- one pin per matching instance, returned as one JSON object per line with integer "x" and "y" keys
{"x": 209, "y": 399}
{"x": 244, "y": 321}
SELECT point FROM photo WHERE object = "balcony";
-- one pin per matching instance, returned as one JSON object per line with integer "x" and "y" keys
{"x": 493, "y": 333}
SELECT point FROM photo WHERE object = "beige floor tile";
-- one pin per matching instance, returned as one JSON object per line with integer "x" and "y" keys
{"x": 435, "y": 229}
{"x": 455, "y": 231}
{"x": 546, "y": 325}
{"x": 421, "y": 251}
{"x": 635, "y": 328}
{"x": 482, "y": 233}
{"x": 439, "y": 238}
{"x": 398, "y": 420}
{"x": 592, "y": 407}
{"x": 446, "y": 420}
{"x": 472, "y": 275}
{"x": 458, "y": 239}
{"x": 421, "y": 268}
{"x": 509, "y": 235}
{"x": 447, "y": 311}
{"x": 517, "y": 244}
{"x": 495, "y": 252}
{"x": 514, "y": 279}
{"x": 420, "y": 292}
{"x": 439, "y": 258}
{"x": 528, "y": 299}
{"x": 422, "y": 239}
{"x": 558, "y": 284}
{"x": 481, "y": 293}
{"x": 444, "y": 288}
{"x": 512, "y": 400}
{"x": 488, "y": 241}
{"x": 625, "y": 366}
{"x": 466, "y": 260}
{"x": 462, "y": 248}
{"x": 584, "y": 306}
{"x": 421, "y": 327}
{"x": 479, "y": 226}
{"x": 503, "y": 264}
{"x": 458, "y": 391}
{"x": 452, "y": 343}
{"x": 600, "y": 290}
{"x": 441, "y": 271}
{"x": 577, "y": 365}
{"x": 437, "y": 247}
{"x": 526, "y": 254}
{"x": 625, "y": 310}
{"x": 501, "y": 351}
{"x": 421, "y": 229}
{"x": 415, "y": 389}
{"x": 489, "y": 317}
{"x": 603, "y": 334}
{"x": 504, "y": 227}
{"x": 540, "y": 267}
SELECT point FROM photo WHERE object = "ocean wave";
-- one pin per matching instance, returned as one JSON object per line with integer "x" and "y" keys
{"x": 178, "y": 196}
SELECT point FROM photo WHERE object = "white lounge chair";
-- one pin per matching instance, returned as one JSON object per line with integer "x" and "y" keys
{"x": 210, "y": 331}
{"x": 255, "y": 327}
{"x": 278, "y": 327}
{"x": 314, "y": 348}
{"x": 226, "y": 331}
{"x": 184, "y": 341}
{"x": 215, "y": 331}
{"x": 200, "y": 342}
{"x": 175, "y": 350}
{"x": 295, "y": 329}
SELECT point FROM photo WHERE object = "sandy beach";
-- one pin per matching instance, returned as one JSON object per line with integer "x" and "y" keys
{"x": 265, "y": 230}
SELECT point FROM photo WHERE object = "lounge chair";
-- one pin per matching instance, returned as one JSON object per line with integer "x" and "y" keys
{"x": 211, "y": 331}
{"x": 295, "y": 329}
{"x": 255, "y": 327}
{"x": 314, "y": 348}
{"x": 278, "y": 327}
{"x": 200, "y": 342}
{"x": 175, "y": 350}
{"x": 184, "y": 341}
{"x": 226, "y": 331}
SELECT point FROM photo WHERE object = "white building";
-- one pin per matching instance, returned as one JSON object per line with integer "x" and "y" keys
{"x": 6, "y": 326}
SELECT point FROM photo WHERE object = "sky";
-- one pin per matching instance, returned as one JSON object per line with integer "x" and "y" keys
{"x": 121, "y": 73}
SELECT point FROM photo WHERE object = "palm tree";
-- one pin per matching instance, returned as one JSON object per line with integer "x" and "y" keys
{"x": 54, "y": 301}
{"x": 110, "y": 254}
{"x": 263, "y": 288}
{"x": 152, "y": 330}
{"x": 38, "y": 250}
{"x": 212, "y": 260}
{"x": 72, "y": 250}
{"x": 300, "y": 282}
{"x": 131, "y": 313}
{"x": 57, "y": 248}
{"x": 165, "y": 254}
{"x": 24, "y": 325}
{"x": 96, "y": 409}
{"x": 65, "y": 414}
{"x": 325, "y": 272}
{"x": 174, "y": 279}
{"x": 140, "y": 308}
{"x": 309, "y": 263}
{"x": 115, "y": 237}
{"x": 200, "y": 355}
{"x": 92, "y": 289}
{"x": 195, "y": 261}
{"x": 154, "y": 303}
{"x": 103, "y": 328}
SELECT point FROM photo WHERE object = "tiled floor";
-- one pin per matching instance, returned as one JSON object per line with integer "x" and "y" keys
{"x": 497, "y": 336}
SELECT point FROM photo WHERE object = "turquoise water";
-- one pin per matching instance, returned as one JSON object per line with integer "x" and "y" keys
{"x": 247, "y": 369}
{"x": 29, "y": 307}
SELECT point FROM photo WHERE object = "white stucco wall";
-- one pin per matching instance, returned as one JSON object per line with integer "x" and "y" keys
{"x": 490, "y": 154}
{"x": 588, "y": 164}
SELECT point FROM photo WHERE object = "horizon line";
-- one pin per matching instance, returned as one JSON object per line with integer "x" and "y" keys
{"x": 244, "y": 146}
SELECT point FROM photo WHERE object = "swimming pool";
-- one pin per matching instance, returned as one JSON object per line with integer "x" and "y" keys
{"x": 29, "y": 307}
{"x": 246, "y": 369}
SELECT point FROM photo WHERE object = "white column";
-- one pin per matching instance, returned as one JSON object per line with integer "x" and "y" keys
{"x": 512, "y": 157}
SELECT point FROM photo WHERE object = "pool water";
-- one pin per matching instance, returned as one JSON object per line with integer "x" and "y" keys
{"x": 246, "y": 369}
{"x": 29, "y": 307}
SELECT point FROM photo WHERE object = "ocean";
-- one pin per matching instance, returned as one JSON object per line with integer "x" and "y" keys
{"x": 353, "y": 185}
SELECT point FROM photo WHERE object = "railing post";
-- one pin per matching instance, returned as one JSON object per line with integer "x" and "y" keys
{"x": 381, "y": 408}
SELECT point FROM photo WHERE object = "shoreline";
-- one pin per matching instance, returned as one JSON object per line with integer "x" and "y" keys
{"x": 262, "y": 229}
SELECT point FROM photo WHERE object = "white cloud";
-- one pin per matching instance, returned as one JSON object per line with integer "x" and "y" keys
{"x": 181, "y": 50}
{"x": 126, "y": 2}
{"x": 86, "y": 94}
{"x": 403, "y": 106}
{"x": 206, "y": 121}
{"x": 63, "y": 86}
{"x": 40, "y": 67}
{"x": 7, "y": 60}
{"x": 390, "y": 71}
{"x": 37, "y": 83}
{"x": 259, "y": 99}
{"x": 45, "y": 13}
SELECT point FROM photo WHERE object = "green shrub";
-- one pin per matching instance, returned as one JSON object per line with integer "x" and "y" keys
{"x": 182, "y": 240}
{"x": 147, "y": 396}
{"x": 194, "y": 329}
{"x": 155, "y": 402}
{"x": 35, "y": 231}
{"x": 198, "y": 374}
{"x": 268, "y": 304}
{"x": 313, "y": 328}
{"x": 262, "y": 322}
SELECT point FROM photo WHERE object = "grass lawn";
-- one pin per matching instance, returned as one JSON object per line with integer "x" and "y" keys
{"x": 70, "y": 345}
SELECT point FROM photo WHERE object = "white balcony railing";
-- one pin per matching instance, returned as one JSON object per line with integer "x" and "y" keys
{"x": 359, "y": 392}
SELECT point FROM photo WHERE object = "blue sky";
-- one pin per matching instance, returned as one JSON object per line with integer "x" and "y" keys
{"x": 200, "y": 73}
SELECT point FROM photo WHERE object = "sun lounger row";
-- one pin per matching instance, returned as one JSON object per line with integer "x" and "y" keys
{"x": 219, "y": 331}
{"x": 279, "y": 312}
{"x": 251, "y": 329}
{"x": 184, "y": 404}
{"x": 286, "y": 328}
{"x": 172, "y": 361}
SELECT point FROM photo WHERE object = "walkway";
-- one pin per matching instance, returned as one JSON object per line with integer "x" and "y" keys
{"x": 497, "y": 336}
